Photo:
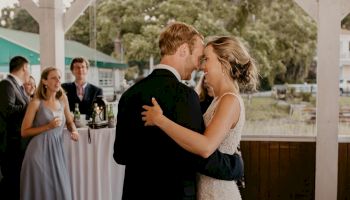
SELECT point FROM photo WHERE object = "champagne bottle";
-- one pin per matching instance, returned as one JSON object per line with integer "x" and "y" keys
{"x": 76, "y": 116}
{"x": 110, "y": 116}
{"x": 95, "y": 114}
{"x": 76, "y": 113}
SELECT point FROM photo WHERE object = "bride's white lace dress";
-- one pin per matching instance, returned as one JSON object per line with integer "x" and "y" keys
{"x": 214, "y": 189}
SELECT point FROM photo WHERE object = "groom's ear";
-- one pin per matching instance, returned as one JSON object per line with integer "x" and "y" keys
{"x": 183, "y": 49}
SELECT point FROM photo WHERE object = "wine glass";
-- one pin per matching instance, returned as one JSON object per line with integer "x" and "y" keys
{"x": 58, "y": 114}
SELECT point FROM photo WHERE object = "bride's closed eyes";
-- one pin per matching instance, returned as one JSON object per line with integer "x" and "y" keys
{"x": 203, "y": 60}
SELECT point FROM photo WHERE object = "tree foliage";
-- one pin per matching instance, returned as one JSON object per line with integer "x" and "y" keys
{"x": 19, "y": 19}
{"x": 346, "y": 22}
{"x": 283, "y": 43}
{"x": 280, "y": 36}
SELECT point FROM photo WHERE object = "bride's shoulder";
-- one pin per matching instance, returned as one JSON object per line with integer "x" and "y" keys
{"x": 229, "y": 98}
{"x": 229, "y": 103}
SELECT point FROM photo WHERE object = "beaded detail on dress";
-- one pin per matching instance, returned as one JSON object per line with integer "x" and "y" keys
{"x": 214, "y": 189}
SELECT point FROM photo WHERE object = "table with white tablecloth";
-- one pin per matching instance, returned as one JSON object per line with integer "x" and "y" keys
{"x": 94, "y": 173}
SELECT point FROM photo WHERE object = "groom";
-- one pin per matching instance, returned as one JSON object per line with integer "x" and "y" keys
{"x": 155, "y": 166}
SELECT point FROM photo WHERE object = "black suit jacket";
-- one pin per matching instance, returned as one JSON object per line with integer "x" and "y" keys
{"x": 90, "y": 93}
{"x": 13, "y": 105}
{"x": 155, "y": 166}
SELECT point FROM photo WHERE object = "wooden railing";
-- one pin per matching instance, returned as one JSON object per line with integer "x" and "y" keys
{"x": 310, "y": 112}
{"x": 283, "y": 168}
{"x": 344, "y": 171}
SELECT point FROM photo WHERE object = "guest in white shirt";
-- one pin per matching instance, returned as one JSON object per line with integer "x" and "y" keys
{"x": 80, "y": 91}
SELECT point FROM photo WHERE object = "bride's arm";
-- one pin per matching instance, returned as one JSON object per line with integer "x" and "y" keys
{"x": 226, "y": 115}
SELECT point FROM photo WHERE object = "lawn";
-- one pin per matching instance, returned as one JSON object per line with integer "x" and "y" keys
{"x": 267, "y": 116}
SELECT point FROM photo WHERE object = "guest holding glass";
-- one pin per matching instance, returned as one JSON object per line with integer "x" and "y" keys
{"x": 80, "y": 91}
{"x": 44, "y": 173}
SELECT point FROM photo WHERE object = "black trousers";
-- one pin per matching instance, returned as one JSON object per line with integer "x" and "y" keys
{"x": 11, "y": 170}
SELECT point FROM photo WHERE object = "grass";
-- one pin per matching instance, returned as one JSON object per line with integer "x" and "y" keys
{"x": 267, "y": 116}
{"x": 344, "y": 101}
{"x": 261, "y": 108}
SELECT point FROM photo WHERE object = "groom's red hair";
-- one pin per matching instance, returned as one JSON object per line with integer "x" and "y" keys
{"x": 176, "y": 34}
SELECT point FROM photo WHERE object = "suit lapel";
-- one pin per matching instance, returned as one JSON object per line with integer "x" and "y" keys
{"x": 86, "y": 91}
{"x": 74, "y": 91}
{"x": 21, "y": 95}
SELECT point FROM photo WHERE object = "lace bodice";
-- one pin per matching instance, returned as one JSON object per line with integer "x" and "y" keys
{"x": 214, "y": 189}
{"x": 233, "y": 137}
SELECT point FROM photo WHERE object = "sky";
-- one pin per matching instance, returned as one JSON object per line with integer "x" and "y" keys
{"x": 7, "y": 3}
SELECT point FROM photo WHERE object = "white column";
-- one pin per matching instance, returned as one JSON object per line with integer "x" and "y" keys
{"x": 73, "y": 13}
{"x": 345, "y": 8}
{"x": 53, "y": 24}
{"x": 328, "y": 15}
{"x": 117, "y": 79}
{"x": 31, "y": 8}
{"x": 327, "y": 99}
{"x": 52, "y": 35}
{"x": 310, "y": 7}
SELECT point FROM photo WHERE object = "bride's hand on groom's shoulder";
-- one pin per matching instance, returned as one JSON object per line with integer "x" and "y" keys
{"x": 152, "y": 114}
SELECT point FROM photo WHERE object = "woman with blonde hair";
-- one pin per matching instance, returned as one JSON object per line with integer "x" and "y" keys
{"x": 44, "y": 174}
{"x": 228, "y": 68}
{"x": 30, "y": 87}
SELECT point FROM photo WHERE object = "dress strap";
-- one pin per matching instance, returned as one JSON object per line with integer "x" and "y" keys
{"x": 226, "y": 93}
{"x": 240, "y": 100}
{"x": 61, "y": 104}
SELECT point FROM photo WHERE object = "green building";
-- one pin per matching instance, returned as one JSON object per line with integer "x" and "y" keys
{"x": 105, "y": 71}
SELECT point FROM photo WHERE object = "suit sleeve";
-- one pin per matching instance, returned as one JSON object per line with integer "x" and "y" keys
{"x": 121, "y": 133}
{"x": 8, "y": 105}
{"x": 99, "y": 92}
{"x": 218, "y": 165}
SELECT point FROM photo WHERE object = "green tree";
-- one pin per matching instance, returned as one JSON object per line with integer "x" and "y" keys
{"x": 24, "y": 22}
{"x": 5, "y": 17}
{"x": 280, "y": 36}
{"x": 345, "y": 23}
{"x": 283, "y": 40}
{"x": 18, "y": 19}
{"x": 80, "y": 30}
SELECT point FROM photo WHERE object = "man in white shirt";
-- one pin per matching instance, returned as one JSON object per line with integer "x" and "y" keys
{"x": 80, "y": 91}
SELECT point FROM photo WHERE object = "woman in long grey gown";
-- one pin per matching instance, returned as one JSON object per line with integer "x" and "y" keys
{"x": 44, "y": 174}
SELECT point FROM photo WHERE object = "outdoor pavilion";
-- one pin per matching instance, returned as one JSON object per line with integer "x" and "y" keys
{"x": 328, "y": 15}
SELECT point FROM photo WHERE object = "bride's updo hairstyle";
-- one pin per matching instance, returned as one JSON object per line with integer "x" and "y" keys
{"x": 236, "y": 61}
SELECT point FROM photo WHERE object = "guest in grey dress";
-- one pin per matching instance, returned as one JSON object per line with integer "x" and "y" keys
{"x": 44, "y": 173}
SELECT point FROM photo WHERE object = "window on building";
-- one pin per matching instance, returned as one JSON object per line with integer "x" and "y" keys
{"x": 105, "y": 77}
